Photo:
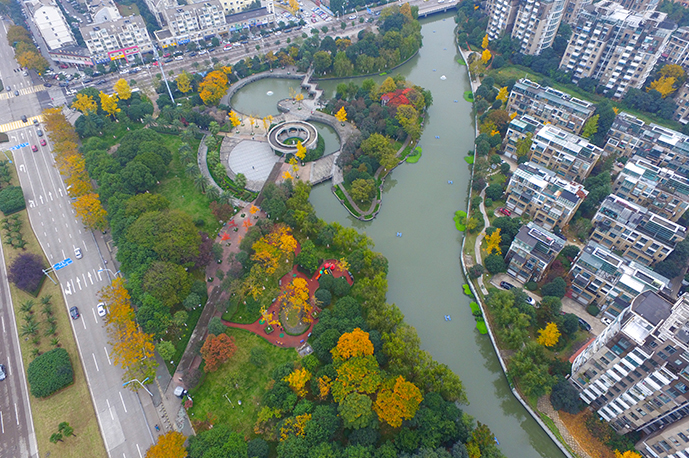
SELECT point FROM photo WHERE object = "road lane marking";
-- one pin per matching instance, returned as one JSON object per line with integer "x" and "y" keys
{"x": 84, "y": 322}
{"x": 73, "y": 288}
{"x": 122, "y": 399}
{"x": 70, "y": 236}
{"x": 90, "y": 278}
{"x": 79, "y": 284}
{"x": 107, "y": 355}
{"x": 63, "y": 254}
{"x": 47, "y": 244}
{"x": 139, "y": 450}
{"x": 59, "y": 240}
{"x": 3, "y": 324}
{"x": 110, "y": 409}
{"x": 95, "y": 318}
{"x": 16, "y": 413}
{"x": 95, "y": 362}
{"x": 2, "y": 422}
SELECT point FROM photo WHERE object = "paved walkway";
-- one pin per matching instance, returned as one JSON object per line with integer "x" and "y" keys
{"x": 545, "y": 407}
{"x": 278, "y": 337}
{"x": 201, "y": 158}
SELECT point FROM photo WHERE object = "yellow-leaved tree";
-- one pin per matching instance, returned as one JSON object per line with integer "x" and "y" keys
{"x": 484, "y": 43}
{"x": 324, "y": 384}
{"x": 486, "y": 56}
{"x": 549, "y": 336}
{"x": 169, "y": 445}
{"x": 627, "y": 454}
{"x": 109, "y": 103}
{"x": 502, "y": 94}
{"x": 297, "y": 380}
{"x": 398, "y": 400}
{"x": 123, "y": 90}
{"x": 665, "y": 85}
{"x": 234, "y": 119}
{"x": 213, "y": 87}
{"x": 352, "y": 344}
{"x": 91, "y": 212}
{"x": 301, "y": 151}
{"x": 85, "y": 104}
{"x": 183, "y": 82}
{"x": 675, "y": 71}
{"x": 341, "y": 115}
{"x": 493, "y": 242}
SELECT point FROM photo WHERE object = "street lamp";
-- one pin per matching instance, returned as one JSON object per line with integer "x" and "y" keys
{"x": 140, "y": 383}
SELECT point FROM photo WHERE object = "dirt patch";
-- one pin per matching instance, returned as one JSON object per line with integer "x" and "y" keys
{"x": 576, "y": 425}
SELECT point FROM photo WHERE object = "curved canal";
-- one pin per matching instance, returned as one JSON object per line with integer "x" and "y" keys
{"x": 425, "y": 278}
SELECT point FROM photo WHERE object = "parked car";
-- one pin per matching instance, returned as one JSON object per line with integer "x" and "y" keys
{"x": 43, "y": 143}
{"x": 35, "y": 122}
{"x": 584, "y": 325}
{"x": 74, "y": 313}
{"x": 505, "y": 211}
{"x": 47, "y": 85}
{"x": 530, "y": 300}
{"x": 190, "y": 55}
{"x": 505, "y": 285}
{"x": 34, "y": 148}
{"x": 8, "y": 89}
{"x": 3, "y": 372}
{"x": 606, "y": 321}
{"x": 64, "y": 66}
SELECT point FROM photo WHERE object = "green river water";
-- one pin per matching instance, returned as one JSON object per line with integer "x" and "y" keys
{"x": 425, "y": 277}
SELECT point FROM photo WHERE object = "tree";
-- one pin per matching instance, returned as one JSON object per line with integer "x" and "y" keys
{"x": 66, "y": 429}
{"x": 565, "y": 397}
{"x": 352, "y": 344}
{"x": 627, "y": 454}
{"x": 556, "y": 288}
{"x": 503, "y": 95}
{"x": 493, "y": 242}
{"x": 356, "y": 411}
{"x": 301, "y": 151}
{"x": 297, "y": 297}
{"x": 183, "y": 81}
{"x": 297, "y": 380}
{"x": 549, "y": 336}
{"x": 169, "y": 445}
{"x": 484, "y": 43}
{"x": 358, "y": 374}
{"x": 308, "y": 258}
{"x": 495, "y": 264}
{"x": 213, "y": 87}
{"x": 486, "y": 56}
{"x": 398, "y": 400}
{"x": 12, "y": 200}
{"x": 341, "y": 115}
{"x": 523, "y": 145}
{"x": 362, "y": 190}
{"x": 216, "y": 350}
{"x": 55, "y": 438}
{"x": 240, "y": 180}
{"x": 26, "y": 272}
{"x": 665, "y": 85}
{"x": 166, "y": 350}
{"x": 124, "y": 92}
{"x": 92, "y": 213}
{"x": 321, "y": 62}
{"x": 170, "y": 234}
{"x": 591, "y": 127}
{"x": 494, "y": 191}
{"x": 85, "y": 104}
{"x": 109, "y": 103}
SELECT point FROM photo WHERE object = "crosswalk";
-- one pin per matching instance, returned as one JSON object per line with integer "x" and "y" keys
{"x": 14, "y": 125}
{"x": 22, "y": 91}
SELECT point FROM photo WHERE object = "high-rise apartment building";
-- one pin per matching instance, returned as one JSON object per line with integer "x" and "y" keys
{"x": 123, "y": 38}
{"x": 531, "y": 252}
{"x": 634, "y": 231}
{"x": 659, "y": 189}
{"x": 634, "y": 374}
{"x": 52, "y": 25}
{"x": 501, "y": 14}
{"x": 571, "y": 157}
{"x": 549, "y": 200}
{"x": 192, "y": 22}
{"x": 615, "y": 46}
{"x": 612, "y": 281}
{"x": 549, "y": 105}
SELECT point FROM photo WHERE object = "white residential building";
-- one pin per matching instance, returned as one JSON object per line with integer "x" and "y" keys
{"x": 52, "y": 24}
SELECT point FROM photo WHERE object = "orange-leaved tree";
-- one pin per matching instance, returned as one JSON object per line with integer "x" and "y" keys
{"x": 216, "y": 350}
{"x": 627, "y": 454}
{"x": 213, "y": 87}
{"x": 352, "y": 344}
{"x": 169, "y": 445}
{"x": 92, "y": 213}
{"x": 297, "y": 380}
{"x": 398, "y": 400}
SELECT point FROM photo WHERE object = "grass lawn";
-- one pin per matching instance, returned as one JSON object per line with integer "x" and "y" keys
{"x": 128, "y": 10}
{"x": 239, "y": 380}
{"x": 183, "y": 339}
{"x": 179, "y": 189}
{"x": 497, "y": 178}
{"x": 469, "y": 96}
{"x": 71, "y": 404}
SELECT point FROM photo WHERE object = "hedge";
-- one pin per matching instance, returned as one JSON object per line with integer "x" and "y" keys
{"x": 12, "y": 200}
{"x": 50, "y": 372}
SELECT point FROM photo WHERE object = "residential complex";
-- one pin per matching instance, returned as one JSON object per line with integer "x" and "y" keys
{"x": 123, "y": 38}
{"x": 611, "y": 281}
{"x": 538, "y": 192}
{"x": 52, "y": 24}
{"x": 519, "y": 128}
{"x": 192, "y": 22}
{"x": 533, "y": 23}
{"x": 548, "y": 105}
{"x": 634, "y": 374}
{"x": 532, "y": 251}
{"x": 624, "y": 136}
{"x": 659, "y": 189}
{"x": 615, "y": 46}
{"x": 571, "y": 157}
{"x": 634, "y": 231}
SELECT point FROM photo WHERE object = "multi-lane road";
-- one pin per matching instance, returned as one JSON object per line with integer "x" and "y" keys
{"x": 120, "y": 414}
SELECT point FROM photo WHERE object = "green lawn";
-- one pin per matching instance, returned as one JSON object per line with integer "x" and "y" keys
{"x": 179, "y": 189}
{"x": 238, "y": 380}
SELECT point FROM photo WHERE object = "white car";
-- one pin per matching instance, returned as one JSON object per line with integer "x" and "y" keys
{"x": 530, "y": 300}
{"x": 202, "y": 52}
{"x": 352, "y": 17}
{"x": 77, "y": 253}
{"x": 101, "y": 310}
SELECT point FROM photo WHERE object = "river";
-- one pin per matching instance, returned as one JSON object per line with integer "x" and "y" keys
{"x": 425, "y": 277}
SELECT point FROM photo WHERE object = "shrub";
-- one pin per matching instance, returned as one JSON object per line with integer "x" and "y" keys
{"x": 50, "y": 372}
{"x": 216, "y": 326}
{"x": 565, "y": 397}
{"x": 476, "y": 271}
{"x": 323, "y": 297}
{"x": 593, "y": 310}
{"x": 488, "y": 202}
{"x": 557, "y": 288}
{"x": 531, "y": 285}
{"x": 26, "y": 272}
{"x": 12, "y": 200}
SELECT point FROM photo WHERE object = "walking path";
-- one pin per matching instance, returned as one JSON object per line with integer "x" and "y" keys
{"x": 545, "y": 407}
{"x": 203, "y": 166}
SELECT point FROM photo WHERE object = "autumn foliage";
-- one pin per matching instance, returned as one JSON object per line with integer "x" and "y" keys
{"x": 213, "y": 87}
{"x": 132, "y": 348}
{"x": 216, "y": 350}
{"x": 270, "y": 251}
{"x": 341, "y": 115}
{"x": 549, "y": 336}
{"x": 398, "y": 402}
{"x": 297, "y": 380}
{"x": 169, "y": 445}
{"x": 72, "y": 166}
{"x": 493, "y": 242}
{"x": 353, "y": 344}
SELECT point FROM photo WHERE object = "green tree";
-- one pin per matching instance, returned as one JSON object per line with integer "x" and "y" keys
{"x": 166, "y": 350}
{"x": 495, "y": 264}
{"x": 591, "y": 127}
{"x": 321, "y": 62}
{"x": 356, "y": 411}
{"x": 308, "y": 257}
{"x": 556, "y": 288}
{"x": 523, "y": 145}
{"x": 167, "y": 282}
{"x": 170, "y": 234}
{"x": 362, "y": 190}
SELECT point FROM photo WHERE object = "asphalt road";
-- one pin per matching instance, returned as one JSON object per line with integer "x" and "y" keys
{"x": 17, "y": 435}
{"x": 120, "y": 415}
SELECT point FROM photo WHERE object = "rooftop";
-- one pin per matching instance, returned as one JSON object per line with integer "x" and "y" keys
{"x": 568, "y": 142}
{"x": 553, "y": 95}
{"x": 651, "y": 307}
{"x": 542, "y": 243}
